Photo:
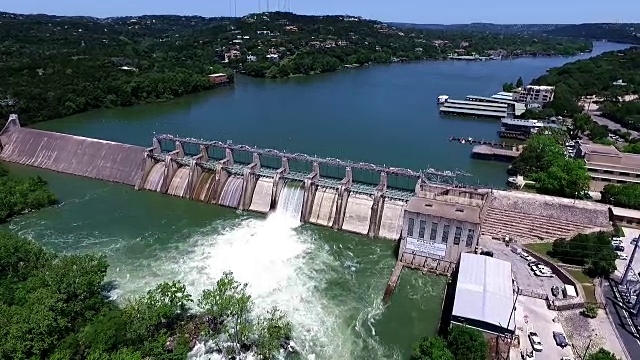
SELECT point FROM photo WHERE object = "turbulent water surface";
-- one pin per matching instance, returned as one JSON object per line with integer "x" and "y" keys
{"x": 329, "y": 283}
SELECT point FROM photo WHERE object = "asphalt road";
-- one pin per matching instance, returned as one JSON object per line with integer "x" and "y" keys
{"x": 621, "y": 324}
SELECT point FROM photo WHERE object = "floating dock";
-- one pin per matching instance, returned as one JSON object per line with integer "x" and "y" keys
{"x": 486, "y": 152}
{"x": 472, "y": 141}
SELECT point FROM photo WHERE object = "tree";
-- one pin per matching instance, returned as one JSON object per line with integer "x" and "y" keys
{"x": 592, "y": 251}
{"x": 622, "y": 195}
{"x": 272, "y": 329}
{"x": 581, "y": 124}
{"x": 602, "y": 354}
{"x": 431, "y": 348}
{"x": 229, "y": 305}
{"x": 467, "y": 343}
{"x": 519, "y": 82}
{"x": 508, "y": 87}
{"x": 540, "y": 153}
{"x": 566, "y": 177}
{"x": 633, "y": 148}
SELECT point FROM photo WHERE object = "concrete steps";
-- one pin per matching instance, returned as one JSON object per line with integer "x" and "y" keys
{"x": 527, "y": 227}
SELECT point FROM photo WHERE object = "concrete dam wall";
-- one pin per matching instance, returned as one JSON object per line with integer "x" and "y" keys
{"x": 97, "y": 159}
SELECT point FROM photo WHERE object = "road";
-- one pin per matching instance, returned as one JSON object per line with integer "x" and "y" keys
{"x": 621, "y": 324}
{"x": 595, "y": 115}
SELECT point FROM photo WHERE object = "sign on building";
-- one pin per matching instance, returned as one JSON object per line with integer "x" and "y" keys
{"x": 426, "y": 247}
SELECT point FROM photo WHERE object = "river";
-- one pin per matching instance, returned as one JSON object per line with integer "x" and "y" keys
{"x": 329, "y": 283}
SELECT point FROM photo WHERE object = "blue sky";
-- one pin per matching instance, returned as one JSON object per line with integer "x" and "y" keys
{"x": 418, "y": 11}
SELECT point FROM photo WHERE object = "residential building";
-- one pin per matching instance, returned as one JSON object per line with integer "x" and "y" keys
{"x": 607, "y": 165}
{"x": 273, "y": 57}
{"x": 233, "y": 54}
{"x": 535, "y": 94}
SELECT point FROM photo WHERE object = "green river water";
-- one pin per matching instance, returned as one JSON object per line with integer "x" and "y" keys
{"x": 329, "y": 283}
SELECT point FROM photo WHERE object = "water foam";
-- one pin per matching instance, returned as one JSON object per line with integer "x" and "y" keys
{"x": 284, "y": 267}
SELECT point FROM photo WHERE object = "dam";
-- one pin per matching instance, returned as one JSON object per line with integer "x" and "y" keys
{"x": 360, "y": 198}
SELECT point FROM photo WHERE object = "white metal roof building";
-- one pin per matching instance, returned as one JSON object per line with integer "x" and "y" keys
{"x": 484, "y": 296}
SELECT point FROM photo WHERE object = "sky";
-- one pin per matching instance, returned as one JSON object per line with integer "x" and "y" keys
{"x": 414, "y": 11}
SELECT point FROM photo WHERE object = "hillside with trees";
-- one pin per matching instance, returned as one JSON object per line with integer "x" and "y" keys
{"x": 57, "y": 307}
{"x": 617, "y": 32}
{"x": 55, "y": 66}
{"x": 598, "y": 77}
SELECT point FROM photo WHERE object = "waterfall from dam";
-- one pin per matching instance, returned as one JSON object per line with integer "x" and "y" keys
{"x": 154, "y": 178}
{"x": 178, "y": 185}
{"x": 204, "y": 185}
{"x": 291, "y": 200}
{"x": 232, "y": 192}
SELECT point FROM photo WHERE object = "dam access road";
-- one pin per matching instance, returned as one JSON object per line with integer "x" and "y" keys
{"x": 329, "y": 282}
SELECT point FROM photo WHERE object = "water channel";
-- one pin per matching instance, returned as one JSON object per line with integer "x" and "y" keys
{"x": 329, "y": 283}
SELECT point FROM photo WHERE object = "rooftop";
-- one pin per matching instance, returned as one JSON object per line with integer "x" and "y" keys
{"x": 449, "y": 210}
{"x": 484, "y": 290}
{"x": 491, "y": 99}
{"x": 628, "y": 213}
{"x": 475, "y": 103}
{"x": 600, "y": 149}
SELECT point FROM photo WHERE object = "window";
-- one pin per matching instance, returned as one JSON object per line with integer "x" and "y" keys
{"x": 410, "y": 227}
{"x": 457, "y": 235}
{"x": 445, "y": 233}
{"x": 434, "y": 231}
{"x": 423, "y": 228}
{"x": 470, "y": 237}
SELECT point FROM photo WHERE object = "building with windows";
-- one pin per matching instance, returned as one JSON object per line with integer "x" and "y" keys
{"x": 441, "y": 226}
{"x": 607, "y": 165}
{"x": 537, "y": 94}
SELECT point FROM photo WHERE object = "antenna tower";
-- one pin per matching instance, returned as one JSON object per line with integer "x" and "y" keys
{"x": 267, "y": 5}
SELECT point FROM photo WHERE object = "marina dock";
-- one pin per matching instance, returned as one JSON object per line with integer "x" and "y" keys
{"x": 472, "y": 141}
{"x": 486, "y": 152}
{"x": 490, "y": 150}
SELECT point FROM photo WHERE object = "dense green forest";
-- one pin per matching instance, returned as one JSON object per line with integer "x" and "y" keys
{"x": 20, "y": 195}
{"x": 597, "y": 77}
{"x": 57, "y": 307}
{"x": 626, "y": 33}
{"x": 55, "y": 66}
{"x": 616, "y": 32}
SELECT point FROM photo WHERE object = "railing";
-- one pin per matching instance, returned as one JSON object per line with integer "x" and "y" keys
{"x": 430, "y": 172}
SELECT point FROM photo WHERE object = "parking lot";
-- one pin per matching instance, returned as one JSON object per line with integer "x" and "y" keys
{"x": 525, "y": 278}
{"x": 629, "y": 234}
{"x": 533, "y": 315}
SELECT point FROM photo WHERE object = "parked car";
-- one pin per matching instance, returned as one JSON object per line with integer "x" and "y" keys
{"x": 555, "y": 291}
{"x": 634, "y": 241}
{"x": 542, "y": 274}
{"x": 616, "y": 243}
{"x": 560, "y": 339}
{"x": 618, "y": 248}
{"x": 622, "y": 256}
{"x": 534, "y": 339}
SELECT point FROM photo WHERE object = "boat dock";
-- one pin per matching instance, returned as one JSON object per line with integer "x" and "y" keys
{"x": 472, "y": 141}
{"x": 490, "y": 150}
{"x": 486, "y": 152}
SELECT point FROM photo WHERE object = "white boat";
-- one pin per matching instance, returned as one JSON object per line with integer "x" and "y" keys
{"x": 443, "y": 99}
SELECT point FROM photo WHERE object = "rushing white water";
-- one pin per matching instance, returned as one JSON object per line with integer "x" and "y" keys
{"x": 284, "y": 267}
{"x": 291, "y": 200}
